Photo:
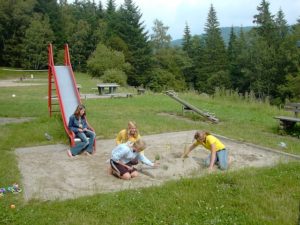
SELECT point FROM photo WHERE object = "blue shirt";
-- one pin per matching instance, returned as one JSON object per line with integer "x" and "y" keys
{"x": 74, "y": 123}
{"x": 124, "y": 153}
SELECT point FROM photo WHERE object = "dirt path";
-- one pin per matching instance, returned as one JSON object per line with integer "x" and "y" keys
{"x": 48, "y": 174}
{"x": 18, "y": 83}
{"x": 7, "y": 120}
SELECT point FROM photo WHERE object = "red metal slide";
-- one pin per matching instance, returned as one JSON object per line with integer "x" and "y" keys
{"x": 62, "y": 90}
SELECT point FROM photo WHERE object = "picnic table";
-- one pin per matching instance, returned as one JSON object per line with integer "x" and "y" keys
{"x": 107, "y": 88}
{"x": 141, "y": 91}
{"x": 287, "y": 122}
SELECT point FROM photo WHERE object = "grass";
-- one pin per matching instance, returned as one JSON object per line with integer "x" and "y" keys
{"x": 249, "y": 196}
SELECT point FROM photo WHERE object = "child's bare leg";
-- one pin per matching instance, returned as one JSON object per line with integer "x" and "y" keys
{"x": 126, "y": 176}
{"x": 134, "y": 174}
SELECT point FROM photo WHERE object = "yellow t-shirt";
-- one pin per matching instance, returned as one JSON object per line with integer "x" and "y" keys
{"x": 209, "y": 141}
{"x": 122, "y": 137}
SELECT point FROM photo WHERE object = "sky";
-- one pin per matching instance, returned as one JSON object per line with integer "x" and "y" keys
{"x": 176, "y": 13}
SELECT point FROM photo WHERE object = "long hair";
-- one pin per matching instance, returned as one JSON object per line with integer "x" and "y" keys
{"x": 77, "y": 111}
{"x": 132, "y": 124}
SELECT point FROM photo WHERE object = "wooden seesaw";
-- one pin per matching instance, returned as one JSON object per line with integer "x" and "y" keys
{"x": 188, "y": 106}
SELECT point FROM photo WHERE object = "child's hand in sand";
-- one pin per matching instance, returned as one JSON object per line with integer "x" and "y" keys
{"x": 156, "y": 164}
{"x": 184, "y": 155}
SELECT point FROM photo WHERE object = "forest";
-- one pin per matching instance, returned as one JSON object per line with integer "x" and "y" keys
{"x": 110, "y": 42}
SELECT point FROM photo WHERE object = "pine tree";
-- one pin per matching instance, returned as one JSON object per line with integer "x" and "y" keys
{"x": 110, "y": 16}
{"x": 215, "y": 68}
{"x": 272, "y": 52}
{"x": 195, "y": 53}
{"x": 239, "y": 62}
{"x": 281, "y": 25}
{"x": 289, "y": 65}
{"x": 265, "y": 22}
{"x": 232, "y": 52}
{"x": 186, "y": 41}
{"x": 231, "y": 45}
{"x": 111, "y": 7}
{"x": 131, "y": 30}
{"x": 52, "y": 10}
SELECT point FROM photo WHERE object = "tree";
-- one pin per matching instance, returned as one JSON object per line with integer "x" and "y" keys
{"x": 162, "y": 80}
{"x": 265, "y": 22}
{"x": 215, "y": 58}
{"x": 290, "y": 89}
{"x": 37, "y": 37}
{"x": 281, "y": 25}
{"x": 78, "y": 45}
{"x": 231, "y": 51}
{"x": 103, "y": 59}
{"x": 15, "y": 17}
{"x": 52, "y": 10}
{"x": 170, "y": 64}
{"x": 261, "y": 67}
{"x": 114, "y": 76}
{"x": 160, "y": 37}
{"x": 112, "y": 19}
{"x": 239, "y": 60}
{"x": 186, "y": 41}
{"x": 131, "y": 30}
{"x": 273, "y": 37}
{"x": 197, "y": 56}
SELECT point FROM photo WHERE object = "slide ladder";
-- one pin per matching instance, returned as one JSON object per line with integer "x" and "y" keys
{"x": 63, "y": 94}
{"x": 188, "y": 106}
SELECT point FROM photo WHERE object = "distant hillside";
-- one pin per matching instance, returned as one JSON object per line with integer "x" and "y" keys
{"x": 225, "y": 33}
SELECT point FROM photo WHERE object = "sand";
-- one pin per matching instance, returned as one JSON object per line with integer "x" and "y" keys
{"x": 49, "y": 174}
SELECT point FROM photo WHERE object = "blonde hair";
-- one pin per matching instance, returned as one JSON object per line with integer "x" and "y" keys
{"x": 132, "y": 124}
{"x": 139, "y": 144}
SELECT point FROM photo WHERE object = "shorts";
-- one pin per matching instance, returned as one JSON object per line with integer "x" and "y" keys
{"x": 119, "y": 170}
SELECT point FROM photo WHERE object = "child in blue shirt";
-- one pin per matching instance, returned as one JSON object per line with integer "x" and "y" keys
{"x": 125, "y": 156}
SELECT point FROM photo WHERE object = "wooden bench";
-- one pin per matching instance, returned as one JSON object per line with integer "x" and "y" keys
{"x": 287, "y": 122}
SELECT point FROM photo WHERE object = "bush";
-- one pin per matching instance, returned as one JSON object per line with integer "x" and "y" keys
{"x": 114, "y": 76}
{"x": 104, "y": 59}
{"x": 161, "y": 80}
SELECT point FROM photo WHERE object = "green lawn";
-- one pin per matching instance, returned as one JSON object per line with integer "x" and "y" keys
{"x": 249, "y": 196}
